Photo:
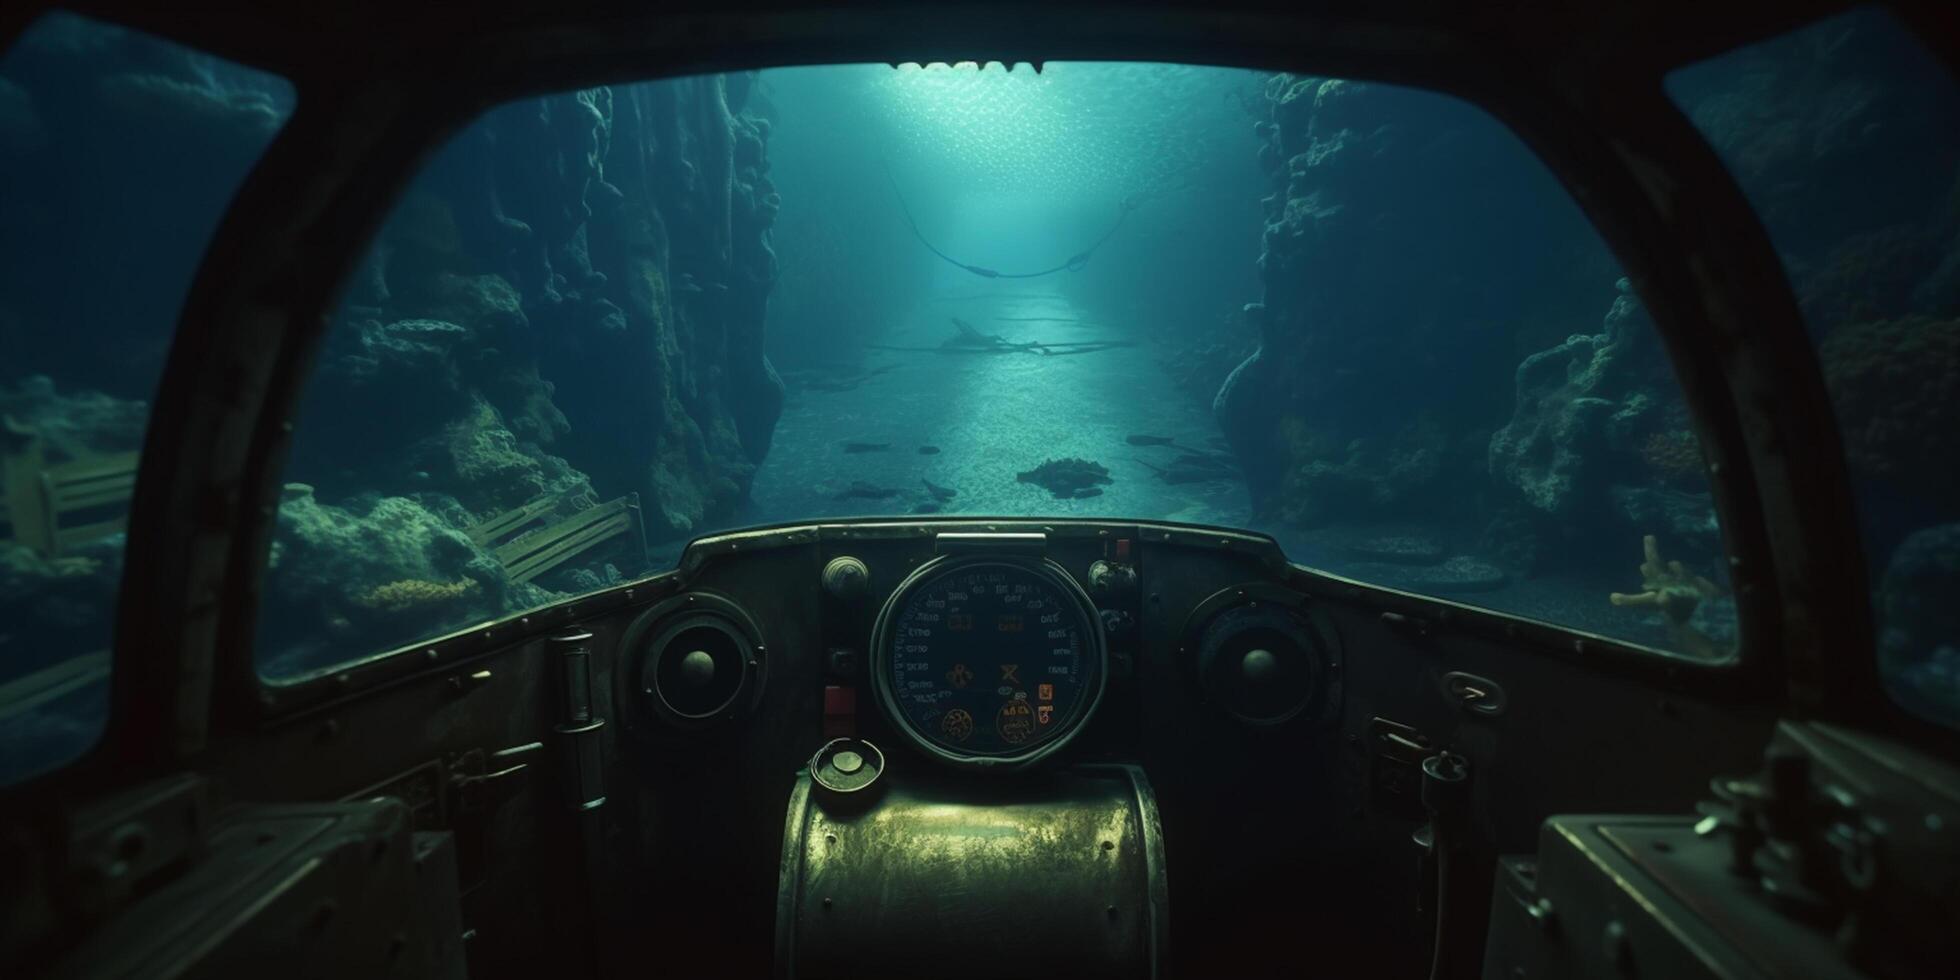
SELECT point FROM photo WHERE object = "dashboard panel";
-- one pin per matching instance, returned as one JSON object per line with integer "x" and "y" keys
{"x": 1262, "y": 711}
{"x": 1179, "y": 651}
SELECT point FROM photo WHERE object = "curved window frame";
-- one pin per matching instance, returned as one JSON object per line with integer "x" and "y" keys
{"x": 203, "y": 600}
{"x": 1917, "y": 70}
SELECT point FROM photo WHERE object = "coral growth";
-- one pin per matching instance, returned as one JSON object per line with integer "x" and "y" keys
{"x": 1576, "y": 406}
{"x": 1896, "y": 387}
{"x": 1068, "y": 478}
{"x": 413, "y": 594}
{"x": 1674, "y": 456}
{"x": 341, "y": 575}
{"x": 1675, "y": 592}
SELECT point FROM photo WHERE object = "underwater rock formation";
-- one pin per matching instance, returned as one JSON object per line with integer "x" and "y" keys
{"x": 1840, "y": 144}
{"x": 146, "y": 142}
{"x": 577, "y": 277}
{"x": 1919, "y": 647}
{"x": 1597, "y": 440}
{"x": 352, "y": 576}
{"x": 1577, "y": 404}
{"x": 1896, "y": 387}
{"x": 1198, "y": 365}
{"x": 1841, "y": 135}
{"x": 1067, "y": 479}
{"x": 66, "y": 596}
{"x": 1353, "y": 405}
{"x": 70, "y": 426}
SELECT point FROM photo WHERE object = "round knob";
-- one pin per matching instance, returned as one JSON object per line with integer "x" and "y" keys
{"x": 846, "y": 765}
{"x": 1258, "y": 664}
{"x": 846, "y": 577}
{"x": 698, "y": 668}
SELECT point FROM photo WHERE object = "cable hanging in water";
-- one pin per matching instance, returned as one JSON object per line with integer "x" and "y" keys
{"x": 1075, "y": 262}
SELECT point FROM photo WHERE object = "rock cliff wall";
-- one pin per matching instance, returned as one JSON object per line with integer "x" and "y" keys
{"x": 1404, "y": 230}
{"x": 567, "y": 305}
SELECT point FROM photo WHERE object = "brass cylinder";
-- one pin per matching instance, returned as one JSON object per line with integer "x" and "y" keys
{"x": 1053, "y": 875}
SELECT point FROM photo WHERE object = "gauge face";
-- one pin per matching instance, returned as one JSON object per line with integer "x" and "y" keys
{"x": 990, "y": 659}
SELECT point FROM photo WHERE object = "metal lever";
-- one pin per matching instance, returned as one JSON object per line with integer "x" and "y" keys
{"x": 1478, "y": 695}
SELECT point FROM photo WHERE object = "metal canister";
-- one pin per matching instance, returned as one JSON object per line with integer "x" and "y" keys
{"x": 1056, "y": 875}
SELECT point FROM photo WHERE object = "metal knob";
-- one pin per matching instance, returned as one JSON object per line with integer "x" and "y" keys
{"x": 846, "y": 577}
{"x": 847, "y": 765}
{"x": 698, "y": 668}
{"x": 1259, "y": 664}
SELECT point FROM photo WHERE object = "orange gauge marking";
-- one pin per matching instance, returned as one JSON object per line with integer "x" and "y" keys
{"x": 959, "y": 676}
{"x": 1015, "y": 722}
{"x": 956, "y": 725}
{"x": 1007, "y": 674}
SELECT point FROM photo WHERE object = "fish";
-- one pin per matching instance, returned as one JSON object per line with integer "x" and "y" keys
{"x": 1146, "y": 440}
{"x": 928, "y": 450}
{"x": 938, "y": 492}
{"x": 866, "y": 447}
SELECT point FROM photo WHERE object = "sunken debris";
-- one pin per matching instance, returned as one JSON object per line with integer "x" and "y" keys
{"x": 1069, "y": 479}
{"x": 939, "y": 493}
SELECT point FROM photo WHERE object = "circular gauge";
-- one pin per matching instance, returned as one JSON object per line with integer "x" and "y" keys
{"x": 989, "y": 661}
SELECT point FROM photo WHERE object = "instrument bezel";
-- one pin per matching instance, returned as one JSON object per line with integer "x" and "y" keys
{"x": 883, "y": 643}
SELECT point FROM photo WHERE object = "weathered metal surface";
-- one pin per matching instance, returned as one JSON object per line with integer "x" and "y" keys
{"x": 1054, "y": 877}
{"x": 335, "y": 888}
{"x": 1834, "y": 861}
{"x": 1589, "y": 907}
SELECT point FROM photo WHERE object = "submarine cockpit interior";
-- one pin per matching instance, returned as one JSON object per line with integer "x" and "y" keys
{"x": 994, "y": 490}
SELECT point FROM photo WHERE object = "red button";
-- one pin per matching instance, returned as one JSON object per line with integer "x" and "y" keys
{"x": 839, "y": 711}
{"x": 1122, "y": 549}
